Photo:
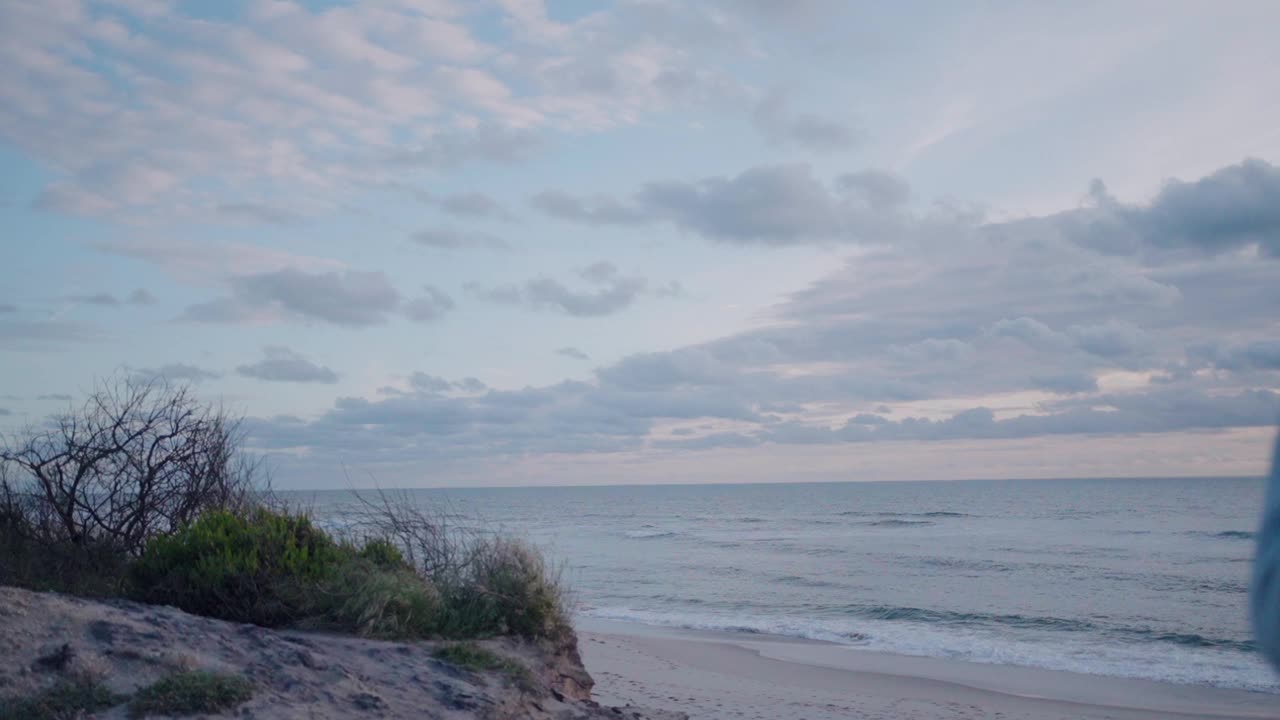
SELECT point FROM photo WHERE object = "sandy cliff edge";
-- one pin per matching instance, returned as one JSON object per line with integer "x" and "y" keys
{"x": 316, "y": 676}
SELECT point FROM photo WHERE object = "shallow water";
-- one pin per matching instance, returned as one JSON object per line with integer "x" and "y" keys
{"x": 1135, "y": 578}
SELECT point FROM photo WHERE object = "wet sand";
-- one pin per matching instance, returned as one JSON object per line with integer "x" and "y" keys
{"x": 721, "y": 675}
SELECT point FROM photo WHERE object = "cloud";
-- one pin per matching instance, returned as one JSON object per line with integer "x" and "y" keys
{"x": 425, "y": 383}
{"x": 1065, "y": 384}
{"x": 284, "y": 96}
{"x": 765, "y": 205}
{"x": 7, "y": 308}
{"x": 449, "y": 149}
{"x": 212, "y": 262}
{"x": 1237, "y": 205}
{"x": 771, "y": 205}
{"x": 909, "y": 341}
{"x": 103, "y": 299}
{"x": 257, "y": 212}
{"x": 1030, "y": 331}
{"x": 349, "y": 298}
{"x": 598, "y": 210}
{"x": 141, "y": 297}
{"x": 429, "y": 307}
{"x": 1229, "y": 209}
{"x": 1113, "y": 338}
{"x": 614, "y": 292}
{"x": 5, "y": 412}
{"x": 177, "y": 372}
{"x": 474, "y": 205}
{"x": 1255, "y": 355}
{"x": 45, "y": 335}
{"x": 281, "y": 364}
{"x": 780, "y": 126}
{"x": 61, "y": 397}
{"x": 573, "y": 352}
{"x": 451, "y": 239}
{"x": 878, "y": 190}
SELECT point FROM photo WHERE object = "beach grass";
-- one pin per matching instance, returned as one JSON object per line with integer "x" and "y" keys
{"x": 191, "y": 693}
{"x": 475, "y": 658}
{"x": 63, "y": 701}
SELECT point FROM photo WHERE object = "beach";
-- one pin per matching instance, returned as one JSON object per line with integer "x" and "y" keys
{"x": 726, "y": 675}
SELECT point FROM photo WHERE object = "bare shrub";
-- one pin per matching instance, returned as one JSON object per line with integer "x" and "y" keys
{"x": 488, "y": 584}
{"x": 140, "y": 459}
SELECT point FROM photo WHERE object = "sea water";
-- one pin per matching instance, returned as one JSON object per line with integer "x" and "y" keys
{"x": 1144, "y": 578}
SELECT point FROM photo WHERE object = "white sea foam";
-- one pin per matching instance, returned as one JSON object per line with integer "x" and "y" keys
{"x": 1052, "y": 651}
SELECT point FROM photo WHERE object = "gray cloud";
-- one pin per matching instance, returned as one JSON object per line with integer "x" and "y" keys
{"x": 349, "y": 298}
{"x": 1114, "y": 338}
{"x": 5, "y": 412}
{"x": 141, "y": 297}
{"x": 1256, "y": 355}
{"x": 877, "y": 189}
{"x": 61, "y": 397}
{"x": 614, "y": 292}
{"x": 766, "y": 205}
{"x": 1236, "y": 206}
{"x": 177, "y": 372}
{"x": 48, "y": 335}
{"x": 473, "y": 204}
{"x": 1030, "y": 331}
{"x": 138, "y": 297}
{"x": 1065, "y": 384}
{"x": 425, "y": 383}
{"x": 780, "y": 126}
{"x": 452, "y": 239}
{"x": 449, "y": 149}
{"x": 257, "y": 212}
{"x": 281, "y": 364}
{"x": 431, "y": 306}
{"x": 597, "y": 210}
{"x": 102, "y": 298}
{"x": 573, "y": 352}
{"x": 476, "y": 205}
{"x": 7, "y": 308}
{"x": 771, "y": 205}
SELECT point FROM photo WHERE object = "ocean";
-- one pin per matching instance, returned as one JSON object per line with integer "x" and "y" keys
{"x": 1142, "y": 578}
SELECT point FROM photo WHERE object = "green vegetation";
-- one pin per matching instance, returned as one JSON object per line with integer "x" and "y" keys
{"x": 367, "y": 600}
{"x": 383, "y": 554}
{"x": 144, "y": 494}
{"x": 191, "y": 693}
{"x": 506, "y": 589}
{"x": 475, "y": 658}
{"x": 64, "y": 701}
{"x": 257, "y": 569}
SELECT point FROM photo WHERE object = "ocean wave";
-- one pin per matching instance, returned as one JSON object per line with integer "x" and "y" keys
{"x": 896, "y": 523}
{"x": 929, "y": 514}
{"x": 801, "y": 581}
{"x": 1225, "y": 534}
{"x": 649, "y": 534}
{"x": 965, "y": 564}
{"x": 1168, "y": 657}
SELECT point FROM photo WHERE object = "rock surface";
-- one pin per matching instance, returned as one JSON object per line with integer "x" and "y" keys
{"x": 45, "y": 637}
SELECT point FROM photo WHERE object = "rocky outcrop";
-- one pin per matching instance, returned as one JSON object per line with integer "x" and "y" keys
{"x": 45, "y": 638}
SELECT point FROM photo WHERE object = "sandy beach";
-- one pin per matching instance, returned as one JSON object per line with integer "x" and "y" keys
{"x": 718, "y": 675}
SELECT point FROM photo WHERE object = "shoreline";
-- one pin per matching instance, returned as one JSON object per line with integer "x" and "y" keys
{"x": 724, "y": 675}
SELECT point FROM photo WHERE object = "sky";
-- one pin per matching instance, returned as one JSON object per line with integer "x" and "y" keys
{"x": 513, "y": 242}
